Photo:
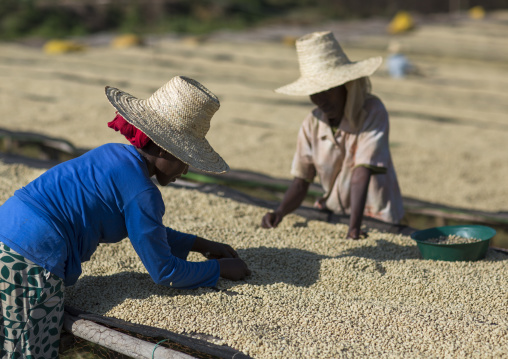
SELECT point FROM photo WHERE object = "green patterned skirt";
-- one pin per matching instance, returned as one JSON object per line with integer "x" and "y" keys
{"x": 32, "y": 305}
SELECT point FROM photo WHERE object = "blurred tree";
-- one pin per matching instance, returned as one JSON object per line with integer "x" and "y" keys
{"x": 57, "y": 17}
{"x": 16, "y": 17}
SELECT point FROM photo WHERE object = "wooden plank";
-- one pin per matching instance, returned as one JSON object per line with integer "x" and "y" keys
{"x": 119, "y": 342}
{"x": 415, "y": 206}
{"x": 411, "y": 205}
{"x": 197, "y": 343}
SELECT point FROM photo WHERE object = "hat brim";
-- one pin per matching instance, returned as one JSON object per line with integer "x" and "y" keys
{"x": 306, "y": 85}
{"x": 196, "y": 152}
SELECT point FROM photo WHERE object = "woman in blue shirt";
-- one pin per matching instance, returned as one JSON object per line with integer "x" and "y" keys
{"x": 52, "y": 225}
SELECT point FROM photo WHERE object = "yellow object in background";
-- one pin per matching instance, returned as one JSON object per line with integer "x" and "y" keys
{"x": 127, "y": 40}
{"x": 194, "y": 40}
{"x": 476, "y": 12}
{"x": 55, "y": 47}
{"x": 289, "y": 40}
{"x": 400, "y": 23}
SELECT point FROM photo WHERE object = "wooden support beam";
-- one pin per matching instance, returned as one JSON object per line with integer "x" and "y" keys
{"x": 119, "y": 342}
{"x": 199, "y": 343}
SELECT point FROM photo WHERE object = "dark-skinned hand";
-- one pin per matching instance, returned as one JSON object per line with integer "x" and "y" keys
{"x": 271, "y": 220}
{"x": 219, "y": 250}
{"x": 356, "y": 234}
{"x": 213, "y": 250}
{"x": 233, "y": 268}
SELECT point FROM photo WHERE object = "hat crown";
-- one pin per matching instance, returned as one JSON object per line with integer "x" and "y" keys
{"x": 324, "y": 65}
{"x": 186, "y": 106}
{"x": 318, "y": 53}
{"x": 176, "y": 118}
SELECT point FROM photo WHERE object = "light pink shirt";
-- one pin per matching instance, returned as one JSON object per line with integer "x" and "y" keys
{"x": 334, "y": 157}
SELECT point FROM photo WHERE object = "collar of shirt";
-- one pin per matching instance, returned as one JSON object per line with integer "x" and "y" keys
{"x": 326, "y": 131}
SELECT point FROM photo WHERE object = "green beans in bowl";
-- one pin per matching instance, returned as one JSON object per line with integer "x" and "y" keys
{"x": 454, "y": 243}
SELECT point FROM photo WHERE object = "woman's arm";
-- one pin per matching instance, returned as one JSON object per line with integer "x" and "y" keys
{"x": 359, "y": 186}
{"x": 149, "y": 237}
{"x": 293, "y": 198}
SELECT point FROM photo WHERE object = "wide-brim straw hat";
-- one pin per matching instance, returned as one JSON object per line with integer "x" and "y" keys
{"x": 324, "y": 65}
{"x": 177, "y": 118}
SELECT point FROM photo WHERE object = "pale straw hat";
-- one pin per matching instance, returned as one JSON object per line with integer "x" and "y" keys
{"x": 324, "y": 65}
{"x": 177, "y": 118}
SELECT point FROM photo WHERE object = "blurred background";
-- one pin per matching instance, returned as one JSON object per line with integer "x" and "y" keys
{"x": 52, "y": 18}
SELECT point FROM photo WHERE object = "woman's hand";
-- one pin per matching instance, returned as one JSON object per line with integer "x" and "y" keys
{"x": 213, "y": 250}
{"x": 356, "y": 234}
{"x": 271, "y": 220}
{"x": 293, "y": 198}
{"x": 233, "y": 268}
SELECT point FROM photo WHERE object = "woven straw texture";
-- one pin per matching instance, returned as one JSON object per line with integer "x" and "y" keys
{"x": 177, "y": 118}
{"x": 324, "y": 65}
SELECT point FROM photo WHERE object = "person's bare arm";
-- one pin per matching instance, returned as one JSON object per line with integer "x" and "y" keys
{"x": 293, "y": 198}
{"x": 359, "y": 187}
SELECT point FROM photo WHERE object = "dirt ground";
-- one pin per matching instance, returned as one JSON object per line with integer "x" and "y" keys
{"x": 448, "y": 126}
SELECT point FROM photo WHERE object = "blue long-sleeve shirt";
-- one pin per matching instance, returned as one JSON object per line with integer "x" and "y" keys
{"x": 103, "y": 196}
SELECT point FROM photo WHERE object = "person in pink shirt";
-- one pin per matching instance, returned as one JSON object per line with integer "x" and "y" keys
{"x": 344, "y": 140}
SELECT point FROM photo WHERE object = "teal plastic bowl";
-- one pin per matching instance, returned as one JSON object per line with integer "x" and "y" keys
{"x": 454, "y": 252}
